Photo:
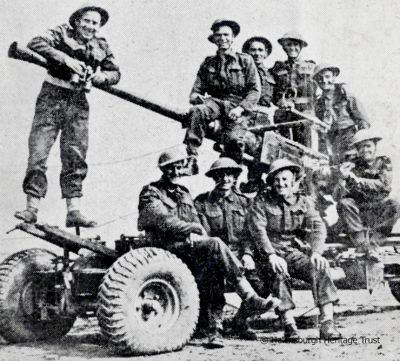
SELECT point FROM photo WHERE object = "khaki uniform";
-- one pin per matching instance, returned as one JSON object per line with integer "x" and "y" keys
{"x": 267, "y": 86}
{"x": 168, "y": 215}
{"x": 345, "y": 115}
{"x": 295, "y": 76}
{"x": 365, "y": 203}
{"x": 273, "y": 223}
{"x": 231, "y": 80}
{"x": 61, "y": 107}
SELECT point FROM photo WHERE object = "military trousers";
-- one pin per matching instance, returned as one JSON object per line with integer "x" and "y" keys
{"x": 235, "y": 137}
{"x": 58, "y": 110}
{"x": 211, "y": 262}
{"x": 299, "y": 267}
{"x": 357, "y": 216}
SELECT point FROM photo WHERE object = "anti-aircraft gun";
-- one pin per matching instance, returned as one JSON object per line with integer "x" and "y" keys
{"x": 145, "y": 298}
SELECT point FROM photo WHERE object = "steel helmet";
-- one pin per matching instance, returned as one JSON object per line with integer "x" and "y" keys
{"x": 172, "y": 156}
{"x": 281, "y": 164}
{"x": 365, "y": 134}
{"x": 224, "y": 163}
{"x": 293, "y": 35}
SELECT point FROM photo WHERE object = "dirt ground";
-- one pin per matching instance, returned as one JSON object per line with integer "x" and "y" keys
{"x": 369, "y": 324}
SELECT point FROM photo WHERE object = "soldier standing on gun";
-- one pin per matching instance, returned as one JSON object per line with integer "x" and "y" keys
{"x": 76, "y": 58}
{"x": 365, "y": 209}
{"x": 222, "y": 213}
{"x": 169, "y": 217}
{"x": 279, "y": 220}
{"x": 227, "y": 86}
{"x": 341, "y": 111}
{"x": 295, "y": 87}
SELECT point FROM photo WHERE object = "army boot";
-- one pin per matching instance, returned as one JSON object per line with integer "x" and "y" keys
{"x": 328, "y": 331}
{"x": 252, "y": 301}
{"x": 239, "y": 326}
{"x": 29, "y": 215}
{"x": 215, "y": 339}
{"x": 74, "y": 217}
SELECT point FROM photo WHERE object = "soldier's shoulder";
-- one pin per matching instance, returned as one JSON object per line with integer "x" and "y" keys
{"x": 383, "y": 160}
{"x": 244, "y": 56}
{"x": 102, "y": 42}
{"x": 307, "y": 202}
{"x": 310, "y": 62}
{"x": 243, "y": 198}
{"x": 278, "y": 65}
{"x": 202, "y": 197}
{"x": 151, "y": 190}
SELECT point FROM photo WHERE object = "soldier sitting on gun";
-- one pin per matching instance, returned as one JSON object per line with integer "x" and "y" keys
{"x": 169, "y": 217}
{"x": 222, "y": 213}
{"x": 76, "y": 58}
{"x": 227, "y": 86}
{"x": 364, "y": 207}
{"x": 279, "y": 220}
{"x": 295, "y": 87}
{"x": 341, "y": 111}
{"x": 259, "y": 48}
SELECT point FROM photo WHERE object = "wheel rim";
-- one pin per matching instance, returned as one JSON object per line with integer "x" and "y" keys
{"x": 157, "y": 305}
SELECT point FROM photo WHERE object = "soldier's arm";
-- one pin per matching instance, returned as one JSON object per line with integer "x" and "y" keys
{"x": 199, "y": 86}
{"x": 358, "y": 113}
{"x": 46, "y": 44}
{"x": 202, "y": 214}
{"x": 154, "y": 215}
{"x": 316, "y": 234}
{"x": 253, "y": 86}
{"x": 381, "y": 184}
{"x": 257, "y": 226}
{"x": 108, "y": 65}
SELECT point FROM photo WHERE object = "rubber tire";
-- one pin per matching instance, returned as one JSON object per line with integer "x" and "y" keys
{"x": 395, "y": 289}
{"x": 15, "y": 272}
{"x": 119, "y": 291}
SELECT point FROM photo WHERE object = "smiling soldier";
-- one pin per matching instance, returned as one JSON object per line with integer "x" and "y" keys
{"x": 289, "y": 238}
{"x": 295, "y": 87}
{"x": 76, "y": 58}
{"x": 365, "y": 209}
{"x": 341, "y": 111}
{"x": 226, "y": 87}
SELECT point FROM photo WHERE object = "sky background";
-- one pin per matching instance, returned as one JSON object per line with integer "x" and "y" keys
{"x": 159, "y": 46}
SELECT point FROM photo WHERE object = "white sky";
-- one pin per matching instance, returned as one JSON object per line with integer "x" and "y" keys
{"x": 159, "y": 46}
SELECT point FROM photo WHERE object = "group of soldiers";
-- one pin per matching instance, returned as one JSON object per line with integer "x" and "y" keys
{"x": 228, "y": 240}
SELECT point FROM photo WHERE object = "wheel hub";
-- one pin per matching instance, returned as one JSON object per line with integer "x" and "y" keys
{"x": 157, "y": 305}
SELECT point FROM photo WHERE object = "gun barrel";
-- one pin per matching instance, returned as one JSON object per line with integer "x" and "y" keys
{"x": 18, "y": 52}
{"x": 65, "y": 240}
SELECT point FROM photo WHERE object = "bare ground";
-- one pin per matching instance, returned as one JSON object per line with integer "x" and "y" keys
{"x": 369, "y": 324}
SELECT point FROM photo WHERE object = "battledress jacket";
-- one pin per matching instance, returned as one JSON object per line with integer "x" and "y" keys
{"x": 373, "y": 182}
{"x": 346, "y": 112}
{"x": 269, "y": 217}
{"x": 224, "y": 217}
{"x": 167, "y": 213}
{"x": 236, "y": 80}
{"x": 59, "y": 43}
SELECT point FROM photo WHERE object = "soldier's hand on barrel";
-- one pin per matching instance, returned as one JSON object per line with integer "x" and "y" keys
{"x": 248, "y": 262}
{"x": 236, "y": 113}
{"x": 278, "y": 264}
{"x": 98, "y": 77}
{"x": 78, "y": 67}
{"x": 320, "y": 263}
